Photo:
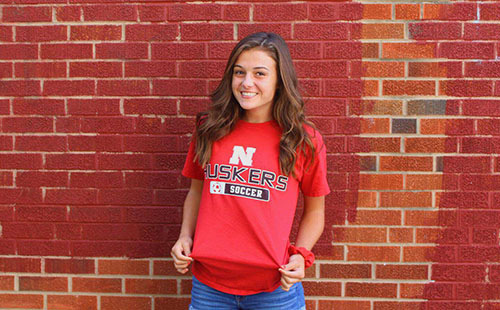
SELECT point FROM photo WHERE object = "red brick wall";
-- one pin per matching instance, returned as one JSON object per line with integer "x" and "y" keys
{"x": 97, "y": 103}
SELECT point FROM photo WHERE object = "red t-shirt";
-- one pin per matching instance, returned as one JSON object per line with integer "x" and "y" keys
{"x": 247, "y": 207}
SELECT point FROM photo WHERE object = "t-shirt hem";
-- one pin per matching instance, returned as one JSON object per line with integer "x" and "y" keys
{"x": 230, "y": 290}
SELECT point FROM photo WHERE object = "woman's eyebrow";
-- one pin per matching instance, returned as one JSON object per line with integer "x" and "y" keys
{"x": 255, "y": 68}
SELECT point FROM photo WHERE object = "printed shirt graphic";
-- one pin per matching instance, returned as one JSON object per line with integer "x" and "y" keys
{"x": 247, "y": 208}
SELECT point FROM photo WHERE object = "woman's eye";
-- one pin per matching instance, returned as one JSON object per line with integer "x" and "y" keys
{"x": 238, "y": 72}
{"x": 260, "y": 73}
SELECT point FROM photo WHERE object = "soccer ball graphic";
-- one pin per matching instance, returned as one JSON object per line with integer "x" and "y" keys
{"x": 216, "y": 187}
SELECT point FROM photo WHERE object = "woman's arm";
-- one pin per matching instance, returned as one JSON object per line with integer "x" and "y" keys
{"x": 182, "y": 248}
{"x": 311, "y": 226}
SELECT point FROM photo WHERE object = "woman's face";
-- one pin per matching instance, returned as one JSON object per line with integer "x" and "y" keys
{"x": 254, "y": 83}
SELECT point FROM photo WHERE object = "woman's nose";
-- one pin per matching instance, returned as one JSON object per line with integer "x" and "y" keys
{"x": 247, "y": 80}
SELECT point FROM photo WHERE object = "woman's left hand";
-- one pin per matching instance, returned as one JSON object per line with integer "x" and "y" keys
{"x": 292, "y": 272}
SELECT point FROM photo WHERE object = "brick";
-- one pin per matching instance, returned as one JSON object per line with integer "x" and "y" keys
{"x": 107, "y": 124}
{"x": 93, "y": 107}
{"x": 98, "y": 248}
{"x": 19, "y": 265}
{"x": 343, "y": 88}
{"x": 27, "y": 14}
{"x": 407, "y": 11}
{"x": 452, "y": 11}
{"x": 66, "y": 51}
{"x": 52, "y": 284}
{"x": 195, "y": 12}
{"x": 123, "y": 87}
{"x": 43, "y": 248}
{"x": 151, "y": 106}
{"x": 149, "y": 125}
{"x": 429, "y": 218}
{"x": 68, "y": 13}
{"x": 5, "y": 70}
{"x": 430, "y": 145}
{"x": 27, "y": 231}
{"x": 41, "y": 33}
{"x": 110, "y": 13}
{"x": 7, "y": 283}
{"x": 406, "y": 199}
{"x": 126, "y": 197}
{"x": 18, "y": 195}
{"x": 409, "y": 50}
{"x": 124, "y": 161}
{"x": 212, "y": 69}
{"x": 4, "y": 107}
{"x": 382, "y": 31}
{"x": 61, "y": 302}
{"x": 408, "y": 87}
{"x": 447, "y": 126}
{"x": 20, "y": 88}
{"x": 481, "y": 107}
{"x": 40, "y": 213}
{"x": 236, "y": 12}
{"x": 6, "y": 33}
{"x": 489, "y": 11}
{"x": 68, "y": 88}
{"x": 383, "y": 69}
{"x": 432, "y": 107}
{"x": 180, "y": 87}
{"x": 97, "y": 285}
{"x": 466, "y": 50}
{"x": 484, "y": 236}
{"x": 477, "y": 145}
{"x": 95, "y": 69}
{"x": 283, "y": 29}
{"x": 405, "y": 163}
{"x": 71, "y": 196}
{"x": 115, "y": 303}
{"x": 435, "y": 69}
{"x": 40, "y": 69}
{"x": 38, "y": 107}
{"x": 466, "y": 88}
{"x": 386, "y": 290}
{"x": 175, "y": 302}
{"x": 28, "y": 124}
{"x": 337, "y": 11}
{"x": 96, "y": 179}
{"x": 448, "y": 236}
{"x": 6, "y": 178}
{"x": 483, "y": 69}
{"x": 31, "y": 301}
{"x": 70, "y": 161}
{"x": 377, "y": 217}
{"x": 418, "y": 272}
{"x": 82, "y": 214}
{"x": 72, "y": 266}
{"x": 152, "y": 13}
{"x": 343, "y": 271}
{"x": 322, "y": 31}
{"x": 359, "y": 235}
{"x": 121, "y": 50}
{"x": 322, "y": 288}
{"x": 151, "y": 69}
{"x": 124, "y": 267}
{"x": 458, "y": 272}
{"x": 375, "y": 107}
{"x": 111, "y": 143}
{"x": 18, "y": 51}
{"x": 358, "y": 144}
{"x": 151, "y": 32}
{"x": 281, "y": 12}
{"x": 488, "y": 126}
{"x": 380, "y": 181}
{"x": 343, "y": 305}
{"x": 206, "y": 32}
{"x": 377, "y": 11}
{"x": 343, "y": 50}
{"x": 96, "y": 33}
{"x": 400, "y": 235}
{"x": 174, "y": 51}
{"x": 481, "y": 31}
{"x": 41, "y": 178}
{"x": 435, "y": 31}
{"x": 429, "y": 182}
{"x": 319, "y": 69}
{"x": 150, "y": 286}
{"x": 479, "y": 182}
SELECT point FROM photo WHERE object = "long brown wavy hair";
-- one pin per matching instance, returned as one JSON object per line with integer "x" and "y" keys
{"x": 287, "y": 109}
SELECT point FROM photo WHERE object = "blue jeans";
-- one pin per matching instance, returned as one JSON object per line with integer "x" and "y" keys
{"x": 204, "y": 297}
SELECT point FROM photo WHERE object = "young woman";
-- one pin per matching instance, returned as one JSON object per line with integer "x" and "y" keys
{"x": 249, "y": 157}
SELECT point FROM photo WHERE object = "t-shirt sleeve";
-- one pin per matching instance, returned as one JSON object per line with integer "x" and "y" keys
{"x": 192, "y": 169}
{"x": 314, "y": 181}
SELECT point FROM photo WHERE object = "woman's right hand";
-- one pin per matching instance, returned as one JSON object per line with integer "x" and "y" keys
{"x": 180, "y": 253}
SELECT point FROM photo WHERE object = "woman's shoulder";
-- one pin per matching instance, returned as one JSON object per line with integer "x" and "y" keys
{"x": 313, "y": 133}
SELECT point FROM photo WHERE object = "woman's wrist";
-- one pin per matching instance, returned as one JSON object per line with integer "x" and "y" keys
{"x": 305, "y": 253}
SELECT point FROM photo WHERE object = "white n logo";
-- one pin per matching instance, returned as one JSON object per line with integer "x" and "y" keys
{"x": 240, "y": 154}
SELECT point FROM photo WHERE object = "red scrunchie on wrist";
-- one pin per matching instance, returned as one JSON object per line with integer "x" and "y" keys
{"x": 308, "y": 255}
